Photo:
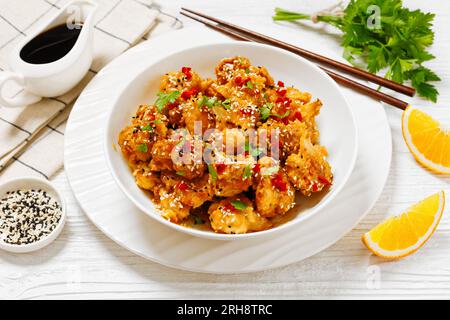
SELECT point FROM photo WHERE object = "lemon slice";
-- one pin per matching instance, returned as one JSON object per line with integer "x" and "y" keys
{"x": 402, "y": 235}
{"x": 427, "y": 140}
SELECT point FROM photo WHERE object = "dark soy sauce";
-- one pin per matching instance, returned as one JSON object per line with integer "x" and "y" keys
{"x": 51, "y": 45}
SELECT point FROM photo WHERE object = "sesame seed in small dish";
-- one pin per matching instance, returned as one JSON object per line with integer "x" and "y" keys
{"x": 32, "y": 214}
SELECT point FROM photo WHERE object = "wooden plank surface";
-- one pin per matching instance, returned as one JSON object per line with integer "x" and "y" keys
{"x": 84, "y": 263}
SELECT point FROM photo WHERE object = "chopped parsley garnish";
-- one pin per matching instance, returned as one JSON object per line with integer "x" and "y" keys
{"x": 157, "y": 121}
{"x": 226, "y": 104}
{"x": 147, "y": 128}
{"x": 212, "y": 171}
{"x": 247, "y": 70}
{"x": 143, "y": 147}
{"x": 256, "y": 152}
{"x": 238, "y": 205}
{"x": 198, "y": 220}
{"x": 265, "y": 111}
{"x": 249, "y": 85}
{"x": 281, "y": 116}
{"x": 165, "y": 98}
{"x": 180, "y": 173}
{"x": 247, "y": 173}
{"x": 206, "y": 101}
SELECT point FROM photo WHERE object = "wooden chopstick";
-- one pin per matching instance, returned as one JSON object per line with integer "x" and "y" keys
{"x": 409, "y": 91}
{"x": 380, "y": 96}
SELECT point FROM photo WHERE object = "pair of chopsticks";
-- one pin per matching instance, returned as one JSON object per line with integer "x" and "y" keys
{"x": 248, "y": 35}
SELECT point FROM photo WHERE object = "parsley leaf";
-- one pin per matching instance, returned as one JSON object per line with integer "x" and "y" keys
{"x": 198, "y": 220}
{"x": 226, "y": 104}
{"x": 238, "y": 205}
{"x": 281, "y": 116}
{"x": 212, "y": 171}
{"x": 143, "y": 147}
{"x": 265, "y": 111}
{"x": 165, "y": 98}
{"x": 206, "y": 101}
{"x": 147, "y": 128}
{"x": 395, "y": 44}
{"x": 249, "y": 85}
{"x": 247, "y": 173}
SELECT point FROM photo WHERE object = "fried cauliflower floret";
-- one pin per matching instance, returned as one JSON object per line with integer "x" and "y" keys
{"x": 236, "y": 215}
{"x": 180, "y": 154}
{"x": 226, "y": 68}
{"x": 180, "y": 81}
{"x": 191, "y": 193}
{"x": 194, "y": 113}
{"x": 230, "y": 178}
{"x": 136, "y": 140}
{"x": 145, "y": 178}
{"x": 274, "y": 193}
{"x": 308, "y": 170}
{"x": 171, "y": 206}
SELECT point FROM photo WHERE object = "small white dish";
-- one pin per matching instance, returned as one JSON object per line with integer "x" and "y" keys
{"x": 336, "y": 122}
{"x": 34, "y": 183}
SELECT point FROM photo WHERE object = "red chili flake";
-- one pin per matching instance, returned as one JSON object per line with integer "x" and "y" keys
{"x": 229, "y": 207}
{"x": 238, "y": 80}
{"x": 256, "y": 168}
{"x": 278, "y": 182}
{"x": 246, "y": 111}
{"x": 182, "y": 186}
{"x": 315, "y": 188}
{"x": 187, "y": 72}
{"x": 280, "y": 83}
{"x": 186, "y": 94}
{"x": 324, "y": 180}
{"x": 281, "y": 92}
{"x": 220, "y": 168}
{"x": 298, "y": 116}
{"x": 284, "y": 120}
{"x": 171, "y": 106}
{"x": 286, "y": 102}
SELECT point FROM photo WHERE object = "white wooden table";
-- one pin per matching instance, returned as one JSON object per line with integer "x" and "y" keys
{"x": 84, "y": 263}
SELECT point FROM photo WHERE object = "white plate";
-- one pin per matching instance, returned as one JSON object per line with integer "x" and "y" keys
{"x": 111, "y": 211}
{"x": 335, "y": 121}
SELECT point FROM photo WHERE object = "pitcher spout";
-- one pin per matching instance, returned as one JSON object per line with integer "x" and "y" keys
{"x": 79, "y": 13}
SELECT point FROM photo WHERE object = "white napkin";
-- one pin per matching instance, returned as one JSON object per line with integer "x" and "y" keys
{"x": 32, "y": 137}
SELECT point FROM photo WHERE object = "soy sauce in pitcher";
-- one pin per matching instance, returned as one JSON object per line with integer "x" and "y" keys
{"x": 51, "y": 45}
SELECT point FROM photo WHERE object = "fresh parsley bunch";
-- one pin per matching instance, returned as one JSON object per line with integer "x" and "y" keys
{"x": 398, "y": 45}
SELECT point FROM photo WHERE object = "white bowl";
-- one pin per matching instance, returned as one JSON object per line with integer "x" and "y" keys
{"x": 335, "y": 122}
{"x": 34, "y": 183}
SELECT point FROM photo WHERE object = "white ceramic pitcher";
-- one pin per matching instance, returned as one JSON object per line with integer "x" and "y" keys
{"x": 54, "y": 78}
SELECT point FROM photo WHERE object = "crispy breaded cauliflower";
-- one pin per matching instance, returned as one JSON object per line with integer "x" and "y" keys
{"x": 236, "y": 215}
{"x": 308, "y": 170}
{"x": 192, "y": 193}
{"x": 274, "y": 193}
{"x": 145, "y": 178}
{"x": 239, "y": 144}
{"x": 180, "y": 154}
{"x": 229, "y": 178}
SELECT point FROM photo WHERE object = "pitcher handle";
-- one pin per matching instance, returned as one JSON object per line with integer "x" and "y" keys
{"x": 23, "y": 99}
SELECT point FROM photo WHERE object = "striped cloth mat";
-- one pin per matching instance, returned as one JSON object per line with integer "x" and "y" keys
{"x": 32, "y": 137}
